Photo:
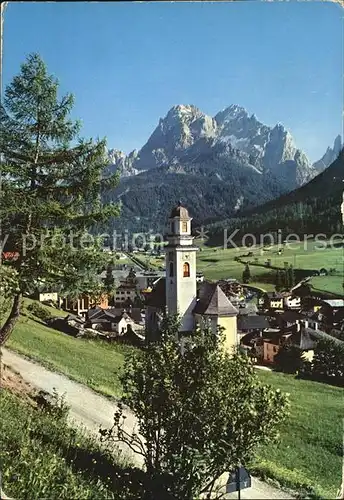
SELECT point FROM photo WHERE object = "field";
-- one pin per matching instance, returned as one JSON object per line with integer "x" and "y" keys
{"x": 151, "y": 261}
{"x": 219, "y": 263}
{"x": 309, "y": 453}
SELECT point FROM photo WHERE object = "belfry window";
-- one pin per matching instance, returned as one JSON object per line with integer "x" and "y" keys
{"x": 186, "y": 270}
{"x": 171, "y": 270}
{"x": 184, "y": 227}
{"x": 172, "y": 227}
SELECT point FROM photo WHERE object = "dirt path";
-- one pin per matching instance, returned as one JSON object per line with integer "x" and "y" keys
{"x": 92, "y": 410}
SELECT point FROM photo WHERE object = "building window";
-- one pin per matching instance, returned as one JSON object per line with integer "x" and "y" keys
{"x": 172, "y": 227}
{"x": 171, "y": 270}
{"x": 184, "y": 227}
{"x": 186, "y": 270}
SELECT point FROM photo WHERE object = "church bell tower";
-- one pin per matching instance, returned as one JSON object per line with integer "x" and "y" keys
{"x": 181, "y": 286}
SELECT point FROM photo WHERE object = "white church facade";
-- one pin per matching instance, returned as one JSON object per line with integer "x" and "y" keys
{"x": 178, "y": 292}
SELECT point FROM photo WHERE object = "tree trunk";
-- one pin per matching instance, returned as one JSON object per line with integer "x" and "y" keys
{"x": 6, "y": 329}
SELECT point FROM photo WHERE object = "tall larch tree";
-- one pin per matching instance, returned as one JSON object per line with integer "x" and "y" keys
{"x": 52, "y": 187}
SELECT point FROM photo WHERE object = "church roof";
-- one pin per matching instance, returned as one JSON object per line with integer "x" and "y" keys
{"x": 212, "y": 301}
{"x": 180, "y": 211}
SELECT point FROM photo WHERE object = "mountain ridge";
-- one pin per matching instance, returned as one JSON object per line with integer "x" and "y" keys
{"x": 267, "y": 148}
{"x": 313, "y": 207}
{"x": 217, "y": 165}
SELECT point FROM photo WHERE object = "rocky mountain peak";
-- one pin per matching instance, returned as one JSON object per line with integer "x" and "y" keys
{"x": 186, "y": 132}
{"x": 233, "y": 112}
{"x": 180, "y": 129}
{"x": 330, "y": 155}
{"x": 115, "y": 155}
{"x": 338, "y": 144}
{"x": 122, "y": 163}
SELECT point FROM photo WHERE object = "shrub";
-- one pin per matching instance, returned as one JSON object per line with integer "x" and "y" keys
{"x": 39, "y": 311}
{"x": 289, "y": 359}
{"x": 328, "y": 361}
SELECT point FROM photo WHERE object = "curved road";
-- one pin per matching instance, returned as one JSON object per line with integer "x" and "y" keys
{"x": 92, "y": 410}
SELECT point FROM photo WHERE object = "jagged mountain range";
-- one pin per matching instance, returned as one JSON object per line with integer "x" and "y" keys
{"x": 217, "y": 165}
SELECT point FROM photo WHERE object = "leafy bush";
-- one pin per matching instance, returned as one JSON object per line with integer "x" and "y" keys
{"x": 328, "y": 361}
{"x": 39, "y": 311}
{"x": 289, "y": 359}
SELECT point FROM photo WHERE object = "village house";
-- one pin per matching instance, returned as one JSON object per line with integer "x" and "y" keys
{"x": 83, "y": 303}
{"x": 270, "y": 349}
{"x": 232, "y": 287}
{"x": 246, "y": 308}
{"x": 254, "y": 324}
{"x": 46, "y": 296}
{"x": 331, "y": 312}
{"x": 287, "y": 320}
{"x": 125, "y": 293}
{"x": 117, "y": 321}
{"x": 273, "y": 343}
{"x": 271, "y": 300}
{"x": 308, "y": 339}
{"x": 292, "y": 302}
{"x": 310, "y": 322}
{"x": 280, "y": 301}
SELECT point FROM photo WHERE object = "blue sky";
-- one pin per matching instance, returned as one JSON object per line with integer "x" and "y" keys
{"x": 128, "y": 63}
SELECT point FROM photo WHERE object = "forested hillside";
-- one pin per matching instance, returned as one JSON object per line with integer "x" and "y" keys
{"x": 313, "y": 208}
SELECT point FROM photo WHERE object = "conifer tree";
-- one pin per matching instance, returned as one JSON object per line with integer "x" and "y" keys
{"x": 278, "y": 282}
{"x": 291, "y": 276}
{"x": 246, "y": 275}
{"x": 52, "y": 186}
{"x": 109, "y": 280}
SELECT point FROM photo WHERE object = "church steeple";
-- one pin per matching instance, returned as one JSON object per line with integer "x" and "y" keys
{"x": 179, "y": 232}
{"x": 181, "y": 286}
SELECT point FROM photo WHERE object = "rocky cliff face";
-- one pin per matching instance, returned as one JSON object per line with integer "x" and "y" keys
{"x": 122, "y": 163}
{"x": 186, "y": 130}
{"x": 330, "y": 155}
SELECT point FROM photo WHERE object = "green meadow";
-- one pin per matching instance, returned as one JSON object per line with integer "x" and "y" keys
{"x": 218, "y": 263}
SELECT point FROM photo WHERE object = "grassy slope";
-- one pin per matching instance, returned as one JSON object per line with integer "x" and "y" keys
{"x": 53, "y": 310}
{"x": 91, "y": 362}
{"x": 42, "y": 457}
{"x": 310, "y": 451}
